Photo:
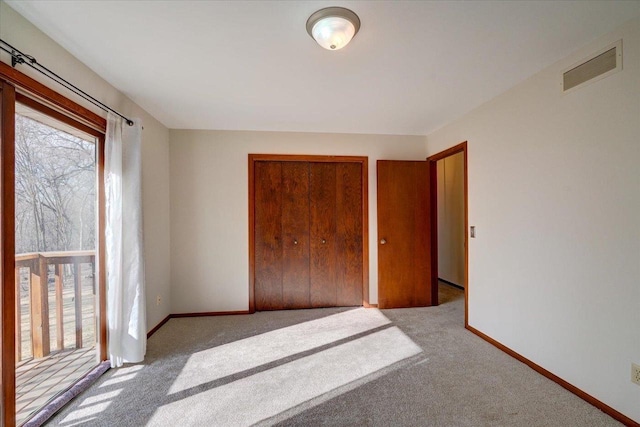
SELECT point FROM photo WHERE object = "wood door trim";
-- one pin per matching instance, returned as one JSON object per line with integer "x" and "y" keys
{"x": 433, "y": 160}
{"x": 305, "y": 158}
{"x": 47, "y": 94}
{"x": 363, "y": 160}
{"x": 433, "y": 220}
{"x": 462, "y": 147}
{"x": 64, "y": 118}
{"x": 102, "y": 250}
{"x": 7, "y": 247}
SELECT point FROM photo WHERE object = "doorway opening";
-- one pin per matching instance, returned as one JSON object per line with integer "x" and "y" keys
{"x": 449, "y": 224}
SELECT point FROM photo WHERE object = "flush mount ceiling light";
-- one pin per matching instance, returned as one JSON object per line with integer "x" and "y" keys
{"x": 333, "y": 27}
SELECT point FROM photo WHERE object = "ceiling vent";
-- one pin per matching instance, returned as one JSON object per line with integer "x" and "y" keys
{"x": 597, "y": 66}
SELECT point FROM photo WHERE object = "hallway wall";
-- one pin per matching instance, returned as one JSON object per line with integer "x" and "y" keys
{"x": 451, "y": 219}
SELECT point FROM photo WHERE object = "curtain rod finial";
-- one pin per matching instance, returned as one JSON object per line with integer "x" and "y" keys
{"x": 16, "y": 59}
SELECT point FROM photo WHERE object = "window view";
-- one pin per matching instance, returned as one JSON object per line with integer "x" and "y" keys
{"x": 56, "y": 282}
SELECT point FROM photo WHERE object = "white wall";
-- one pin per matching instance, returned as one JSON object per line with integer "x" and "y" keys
{"x": 155, "y": 145}
{"x": 451, "y": 219}
{"x": 210, "y": 202}
{"x": 554, "y": 190}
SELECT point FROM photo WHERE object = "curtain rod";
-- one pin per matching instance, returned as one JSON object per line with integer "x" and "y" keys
{"x": 18, "y": 57}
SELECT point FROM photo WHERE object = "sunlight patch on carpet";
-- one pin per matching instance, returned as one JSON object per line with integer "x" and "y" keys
{"x": 91, "y": 407}
{"x": 268, "y": 393}
{"x": 228, "y": 359}
{"x": 91, "y": 400}
{"x": 85, "y": 414}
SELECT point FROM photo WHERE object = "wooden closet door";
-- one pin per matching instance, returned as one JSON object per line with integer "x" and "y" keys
{"x": 335, "y": 205}
{"x": 295, "y": 234}
{"x": 323, "y": 244}
{"x": 268, "y": 235}
{"x": 308, "y": 219}
{"x": 349, "y": 250}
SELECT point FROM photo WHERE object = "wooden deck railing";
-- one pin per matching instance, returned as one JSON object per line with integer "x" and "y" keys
{"x": 38, "y": 265}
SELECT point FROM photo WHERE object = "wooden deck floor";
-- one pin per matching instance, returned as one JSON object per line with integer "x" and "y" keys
{"x": 39, "y": 380}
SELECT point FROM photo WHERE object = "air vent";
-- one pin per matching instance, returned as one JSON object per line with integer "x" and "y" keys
{"x": 599, "y": 65}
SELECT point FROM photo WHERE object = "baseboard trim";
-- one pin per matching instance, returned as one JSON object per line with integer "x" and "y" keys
{"x": 451, "y": 284}
{"x": 158, "y": 326}
{"x": 178, "y": 315}
{"x": 367, "y": 305}
{"x": 210, "y": 313}
{"x": 573, "y": 389}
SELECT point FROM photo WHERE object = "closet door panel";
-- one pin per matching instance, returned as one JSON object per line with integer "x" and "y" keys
{"x": 268, "y": 232}
{"x": 349, "y": 231}
{"x": 322, "y": 196}
{"x": 295, "y": 234}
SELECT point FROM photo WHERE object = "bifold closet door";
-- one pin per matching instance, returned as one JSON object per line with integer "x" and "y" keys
{"x": 268, "y": 235}
{"x": 349, "y": 233}
{"x": 335, "y": 204}
{"x": 295, "y": 235}
{"x": 282, "y": 235}
{"x": 323, "y": 241}
{"x": 308, "y": 234}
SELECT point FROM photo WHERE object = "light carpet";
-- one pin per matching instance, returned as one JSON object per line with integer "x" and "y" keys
{"x": 334, "y": 367}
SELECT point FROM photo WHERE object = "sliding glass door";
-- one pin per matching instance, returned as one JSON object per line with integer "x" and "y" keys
{"x": 55, "y": 257}
{"x": 53, "y": 309}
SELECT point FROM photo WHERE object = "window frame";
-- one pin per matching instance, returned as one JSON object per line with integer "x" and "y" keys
{"x": 16, "y": 87}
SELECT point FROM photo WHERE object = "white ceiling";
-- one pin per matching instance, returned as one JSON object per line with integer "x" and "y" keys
{"x": 250, "y": 65}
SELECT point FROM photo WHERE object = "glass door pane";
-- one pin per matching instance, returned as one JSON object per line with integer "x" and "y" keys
{"x": 55, "y": 262}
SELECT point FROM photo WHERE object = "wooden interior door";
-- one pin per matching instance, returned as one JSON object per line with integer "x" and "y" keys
{"x": 404, "y": 235}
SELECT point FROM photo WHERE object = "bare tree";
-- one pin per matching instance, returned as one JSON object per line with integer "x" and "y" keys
{"x": 55, "y": 189}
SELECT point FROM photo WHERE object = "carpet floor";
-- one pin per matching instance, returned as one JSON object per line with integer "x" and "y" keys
{"x": 331, "y": 367}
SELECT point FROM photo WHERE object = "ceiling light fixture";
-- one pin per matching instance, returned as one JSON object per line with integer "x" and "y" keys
{"x": 333, "y": 27}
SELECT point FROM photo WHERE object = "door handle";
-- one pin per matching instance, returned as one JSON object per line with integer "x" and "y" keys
{"x": 295, "y": 242}
{"x": 324, "y": 241}
{"x": 383, "y": 241}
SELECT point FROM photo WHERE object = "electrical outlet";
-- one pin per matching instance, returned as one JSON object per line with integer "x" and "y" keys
{"x": 635, "y": 373}
{"x": 159, "y": 300}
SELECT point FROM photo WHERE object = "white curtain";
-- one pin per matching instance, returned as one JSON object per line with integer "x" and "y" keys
{"x": 126, "y": 319}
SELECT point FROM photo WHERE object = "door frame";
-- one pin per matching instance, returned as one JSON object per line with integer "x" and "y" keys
{"x": 18, "y": 87}
{"x": 433, "y": 173}
{"x": 364, "y": 162}
{"x": 7, "y": 247}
